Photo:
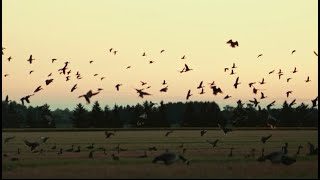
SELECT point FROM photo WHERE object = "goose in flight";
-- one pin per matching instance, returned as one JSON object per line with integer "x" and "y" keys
{"x": 144, "y": 54}
{"x": 6, "y": 75}
{"x": 164, "y": 82}
{"x": 216, "y": 90}
{"x": 143, "y": 83}
{"x": 211, "y": 84}
{"x": 88, "y": 95}
{"x": 293, "y": 51}
{"x": 315, "y": 53}
{"x": 115, "y": 52}
{"x": 187, "y": 68}
{"x": 49, "y": 74}
{"x": 265, "y": 138}
{"x": 54, "y": 59}
{"x": 90, "y": 62}
{"x": 233, "y": 44}
{"x": 314, "y": 102}
{"x": 259, "y": 55}
{"x": 292, "y": 103}
{"x": 30, "y": 59}
{"x": 226, "y": 69}
{"x": 271, "y": 104}
{"x": 200, "y": 85}
{"x": 236, "y": 83}
{"x": 232, "y": 72}
{"x": 150, "y": 62}
{"x": 308, "y": 79}
{"x": 262, "y": 82}
{"x": 164, "y": 89}
{"x": 252, "y": 83}
{"x": 295, "y": 70}
{"x": 227, "y": 97}
{"x": 48, "y": 81}
{"x": 262, "y": 96}
{"x": 202, "y": 91}
{"x": 271, "y": 72}
{"x": 183, "y": 57}
{"x": 128, "y": 67}
{"x": 189, "y": 94}
{"x": 110, "y": 50}
{"x": 141, "y": 93}
{"x": 118, "y": 86}
{"x": 9, "y": 58}
{"x": 255, "y": 102}
{"x": 74, "y": 88}
{"x": 102, "y": 78}
{"x": 38, "y": 89}
{"x": 234, "y": 66}
{"x": 288, "y": 93}
{"x": 26, "y": 98}
{"x": 162, "y": 51}
{"x": 288, "y": 79}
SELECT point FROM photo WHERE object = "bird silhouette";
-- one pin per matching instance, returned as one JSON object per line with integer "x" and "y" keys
{"x": 233, "y": 66}
{"x": 288, "y": 79}
{"x": 236, "y": 83}
{"x": 74, "y": 88}
{"x": 226, "y": 69}
{"x": 110, "y": 50}
{"x": 88, "y": 95}
{"x": 38, "y": 89}
{"x": 202, "y": 91}
{"x": 102, "y": 78}
{"x": 99, "y": 89}
{"x": 265, "y": 138}
{"x": 212, "y": 83}
{"x": 271, "y": 104}
{"x": 164, "y": 82}
{"x": 90, "y": 62}
{"x": 26, "y": 98}
{"x": 200, "y": 85}
{"x": 308, "y": 79}
{"x": 9, "y": 58}
{"x": 295, "y": 70}
{"x": 54, "y": 59}
{"x": 227, "y": 97}
{"x": 315, "y": 53}
{"x": 259, "y": 55}
{"x": 69, "y": 72}
{"x": 7, "y": 99}
{"x": 141, "y": 93}
{"x": 280, "y": 75}
{"x": 150, "y": 62}
{"x": 232, "y": 72}
{"x": 67, "y": 78}
{"x": 312, "y": 149}
{"x": 128, "y": 67}
{"x": 187, "y": 68}
{"x": 6, "y": 75}
{"x": 30, "y": 59}
{"x": 271, "y": 72}
{"x": 49, "y": 74}
{"x": 143, "y": 83}
{"x": 48, "y": 81}
{"x": 189, "y": 94}
{"x": 255, "y": 102}
{"x": 216, "y": 90}
{"x": 262, "y": 82}
{"x": 293, "y": 51}
{"x": 118, "y": 86}
{"x": 165, "y": 89}
{"x": 262, "y": 96}
{"x": 115, "y": 52}
{"x": 31, "y": 72}
{"x": 314, "y": 102}
{"x": 292, "y": 103}
{"x": 144, "y": 54}
{"x": 162, "y": 51}
{"x": 252, "y": 83}
{"x": 2, "y": 50}
{"x": 233, "y": 44}
{"x": 288, "y": 93}
{"x": 183, "y": 57}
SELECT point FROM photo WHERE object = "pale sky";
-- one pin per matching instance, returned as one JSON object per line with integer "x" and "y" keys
{"x": 82, "y": 30}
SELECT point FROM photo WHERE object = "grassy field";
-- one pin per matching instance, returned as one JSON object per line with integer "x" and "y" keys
{"x": 206, "y": 162}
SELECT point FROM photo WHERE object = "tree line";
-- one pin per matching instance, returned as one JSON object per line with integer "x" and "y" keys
{"x": 149, "y": 114}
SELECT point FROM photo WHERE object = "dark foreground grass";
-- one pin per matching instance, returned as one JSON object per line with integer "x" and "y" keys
{"x": 205, "y": 161}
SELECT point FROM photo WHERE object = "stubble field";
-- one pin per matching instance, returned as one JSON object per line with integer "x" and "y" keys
{"x": 205, "y": 161}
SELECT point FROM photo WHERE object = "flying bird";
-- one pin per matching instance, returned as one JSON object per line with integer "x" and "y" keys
{"x": 259, "y": 55}
{"x": 143, "y": 83}
{"x": 226, "y": 69}
{"x": 110, "y": 49}
{"x": 200, "y": 85}
{"x": 271, "y": 104}
{"x": 38, "y": 89}
{"x": 288, "y": 79}
{"x": 262, "y": 96}
{"x": 118, "y": 86}
{"x": 128, "y": 67}
{"x": 52, "y": 60}
{"x": 187, "y": 68}
{"x": 102, "y": 78}
{"x": 202, "y": 91}
{"x": 150, "y": 62}
{"x": 90, "y": 62}
{"x": 293, "y": 51}
{"x": 232, "y": 72}
{"x": 233, "y": 44}
{"x": 9, "y": 58}
{"x": 164, "y": 82}
{"x": 67, "y": 78}
{"x": 144, "y": 54}
{"x": 6, "y": 75}
{"x": 31, "y": 72}
{"x": 236, "y": 83}
{"x": 162, "y": 51}
{"x": 308, "y": 80}
{"x": 48, "y": 81}
{"x": 292, "y": 103}
{"x": 288, "y": 93}
{"x": 295, "y": 70}
{"x": 271, "y": 71}
{"x": 315, "y": 53}
{"x": 115, "y": 52}
{"x": 234, "y": 66}
{"x": 252, "y": 83}
{"x": 226, "y": 97}
{"x": 74, "y": 88}
{"x": 262, "y": 82}
{"x": 26, "y": 98}
{"x": 314, "y": 102}
{"x": 216, "y": 90}
{"x": 255, "y": 102}
{"x": 30, "y": 59}
{"x": 183, "y": 57}
{"x": 88, "y": 95}
{"x": 189, "y": 94}
{"x": 164, "y": 89}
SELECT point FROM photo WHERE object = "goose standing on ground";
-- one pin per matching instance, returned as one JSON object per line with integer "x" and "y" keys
{"x": 169, "y": 158}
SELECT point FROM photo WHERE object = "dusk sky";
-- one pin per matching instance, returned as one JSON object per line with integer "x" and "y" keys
{"x": 79, "y": 31}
